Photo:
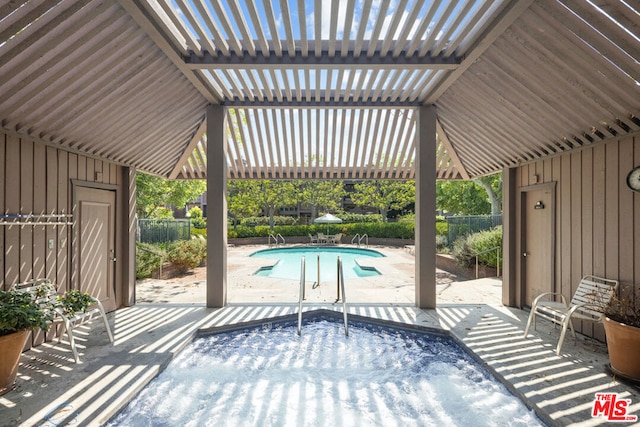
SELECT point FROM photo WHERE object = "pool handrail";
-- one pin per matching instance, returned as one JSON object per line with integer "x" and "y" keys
{"x": 301, "y": 297}
{"x": 357, "y": 239}
{"x": 344, "y": 298}
{"x": 276, "y": 238}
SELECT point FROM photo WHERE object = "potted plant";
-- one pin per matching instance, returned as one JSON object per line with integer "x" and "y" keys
{"x": 19, "y": 314}
{"x": 622, "y": 330}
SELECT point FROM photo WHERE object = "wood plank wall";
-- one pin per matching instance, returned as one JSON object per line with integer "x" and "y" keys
{"x": 597, "y": 215}
{"x": 36, "y": 179}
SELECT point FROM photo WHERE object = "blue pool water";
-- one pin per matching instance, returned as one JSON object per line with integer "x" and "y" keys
{"x": 288, "y": 265}
{"x": 377, "y": 376}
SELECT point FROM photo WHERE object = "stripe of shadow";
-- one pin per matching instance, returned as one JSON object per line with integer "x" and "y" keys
{"x": 70, "y": 398}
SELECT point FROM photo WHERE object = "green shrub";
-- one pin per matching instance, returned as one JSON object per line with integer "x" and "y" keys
{"x": 442, "y": 243}
{"x": 389, "y": 230}
{"x": 199, "y": 232}
{"x": 149, "y": 258}
{"x": 263, "y": 230}
{"x": 465, "y": 248}
{"x": 187, "y": 254}
{"x": 442, "y": 229}
{"x": 195, "y": 212}
{"x": 291, "y": 230}
{"x": 255, "y": 221}
{"x": 385, "y": 230}
{"x": 350, "y": 218}
{"x": 198, "y": 223}
{"x": 409, "y": 217}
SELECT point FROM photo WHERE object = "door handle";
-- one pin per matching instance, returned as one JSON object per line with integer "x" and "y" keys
{"x": 525, "y": 254}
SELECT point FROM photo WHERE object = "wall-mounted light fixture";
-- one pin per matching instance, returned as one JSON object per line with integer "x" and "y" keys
{"x": 539, "y": 205}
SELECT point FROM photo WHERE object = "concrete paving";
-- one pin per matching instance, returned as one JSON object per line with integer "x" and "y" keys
{"x": 52, "y": 390}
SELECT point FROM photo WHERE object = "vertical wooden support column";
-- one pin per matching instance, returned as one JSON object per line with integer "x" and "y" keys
{"x": 509, "y": 241}
{"x": 216, "y": 209}
{"x": 127, "y": 256}
{"x": 425, "y": 254}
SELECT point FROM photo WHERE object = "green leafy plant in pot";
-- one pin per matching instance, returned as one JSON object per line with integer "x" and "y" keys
{"x": 19, "y": 314}
{"x": 622, "y": 329}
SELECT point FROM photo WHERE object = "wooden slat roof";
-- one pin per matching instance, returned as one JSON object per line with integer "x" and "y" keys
{"x": 320, "y": 89}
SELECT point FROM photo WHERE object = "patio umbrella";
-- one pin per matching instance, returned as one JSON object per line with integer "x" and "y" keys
{"x": 327, "y": 219}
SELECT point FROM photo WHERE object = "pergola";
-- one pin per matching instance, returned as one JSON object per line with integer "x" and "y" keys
{"x": 403, "y": 89}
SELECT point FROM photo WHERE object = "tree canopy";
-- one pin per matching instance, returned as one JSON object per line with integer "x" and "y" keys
{"x": 153, "y": 193}
{"x": 481, "y": 196}
{"x": 384, "y": 195}
{"x": 320, "y": 195}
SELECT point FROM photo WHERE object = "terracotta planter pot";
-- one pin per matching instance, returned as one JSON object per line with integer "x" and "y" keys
{"x": 623, "y": 343}
{"x": 10, "y": 349}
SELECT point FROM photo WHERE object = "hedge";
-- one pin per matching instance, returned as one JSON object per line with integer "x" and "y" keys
{"x": 255, "y": 221}
{"x": 389, "y": 230}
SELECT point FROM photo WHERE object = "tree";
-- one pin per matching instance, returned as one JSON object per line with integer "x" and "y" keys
{"x": 492, "y": 184}
{"x": 461, "y": 198}
{"x": 242, "y": 199}
{"x": 320, "y": 195}
{"x": 384, "y": 195}
{"x": 153, "y": 192}
{"x": 478, "y": 197}
{"x": 275, "y": 194}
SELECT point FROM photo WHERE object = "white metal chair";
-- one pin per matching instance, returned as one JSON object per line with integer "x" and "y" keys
{"x": 588, "y": 302}
{"x": 335, "y": 239}
{"x": 313, "y": 239}
{"x": 45, "y": 293}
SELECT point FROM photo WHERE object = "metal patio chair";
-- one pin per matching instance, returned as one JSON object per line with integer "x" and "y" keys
{"x": 588, "y": 302}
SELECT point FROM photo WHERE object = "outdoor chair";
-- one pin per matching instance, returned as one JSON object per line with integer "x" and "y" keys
{"x": 313, "y": 239}
{"x": 588, "y": 303}
{"x": 335, "y": 239}
{"x": 322, "y": 238}
{"x": 45, "y": 294}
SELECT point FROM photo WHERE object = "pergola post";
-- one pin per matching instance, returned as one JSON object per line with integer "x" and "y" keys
{"x": 216, "y": 208}
{"x": 425, "y": 234}
{"x": 129, "y": 229}
{"x": 509, "y": 241}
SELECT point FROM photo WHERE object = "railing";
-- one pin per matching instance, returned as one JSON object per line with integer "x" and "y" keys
{"x": 357, "y": 239}
{"x": 301, "y": 297}
{"x": 163, "y": 230}
{"x": 497, "y": 249}
{"x": 344, "y": 297}
{"x": 158, "y": 254}
{"x": 341, "y": 293}
{"x": 276, "y": 239}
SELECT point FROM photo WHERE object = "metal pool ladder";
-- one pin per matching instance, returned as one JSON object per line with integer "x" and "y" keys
{"x": 276, "y": 239}
{"x": 302, "y": 265}
{"x": 357, "y": 239}
{"x": 302, "y": 295}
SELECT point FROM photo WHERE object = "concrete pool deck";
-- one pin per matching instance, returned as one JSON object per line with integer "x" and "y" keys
{"x": 52, "y": 390}
{"x": 394, "y": 286}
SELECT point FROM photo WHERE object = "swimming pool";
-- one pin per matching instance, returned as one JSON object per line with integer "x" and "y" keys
{"x": 288, "y": 265}
{"x": 265, "y": 375}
